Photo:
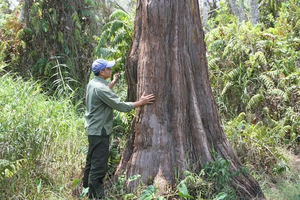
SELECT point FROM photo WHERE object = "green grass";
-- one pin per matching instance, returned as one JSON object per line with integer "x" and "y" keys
{"x": 40, "y": 142}
{"x": 285, "y": 186}
{"x": 284, "y": 190}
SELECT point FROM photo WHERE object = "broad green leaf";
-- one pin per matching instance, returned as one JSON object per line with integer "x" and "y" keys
{"x": 148, "y": 194}
{"x": 183, "y": 191}
{"x": 75, "y": 182}
{"x": 221, "y": 196}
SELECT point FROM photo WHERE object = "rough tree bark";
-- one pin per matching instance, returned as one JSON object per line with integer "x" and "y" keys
{"x": 167, "y": 58}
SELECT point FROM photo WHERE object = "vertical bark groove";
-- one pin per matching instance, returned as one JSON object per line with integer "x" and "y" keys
{"x": 183, "y": 127}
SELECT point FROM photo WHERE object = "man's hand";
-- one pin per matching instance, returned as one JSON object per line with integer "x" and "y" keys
{"x": 144, "y": 100}
{"x": 147, "y": 99}
{"x": 116, "y": 76}
{"x": 113, "y": 82}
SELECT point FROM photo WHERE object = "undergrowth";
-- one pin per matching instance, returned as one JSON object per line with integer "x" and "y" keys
{"x": 40, "y": 142}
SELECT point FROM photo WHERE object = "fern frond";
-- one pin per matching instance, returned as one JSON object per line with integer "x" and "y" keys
{"x": 120, "y": 37}
{"x": 293, "y": 89}
{"x": 214, "y": 33}
{"x": 229, "y": 46}
{"x": 262, "y": 44}
{"x": 269, "y": 36}
{"x": 4, "y": 163}
{"x": 227, "y": 87}
{"x": 107, "y": 26}
{"x": 104, "y": 52}
{"x": 234, "y": 74}
{"x": 255, "y": 101}
{"x": 270, "y": 122}
{"x": 213, "y": 63}
{"x": 103, "y": 38}
{"x": 268, "y": 82}
{"x": 60, "y": 37}
{"x": 77, "y": 35}
{"x": 275, "y": 73}
{"x": 75, "y": 19}
{"x": 260, "y": 56}
{"x": 114, "y": 157}
{"x": 115, "y": 26}
{"x": 216, "y": 45}
{"x": 286, "y": 128}
{"x": 292, "y": 115}
{"x": 297, "y": 25}
{"x": 87, "y": 13}
{"x": 278, "y": 92}
{"x": 119, "y": 14}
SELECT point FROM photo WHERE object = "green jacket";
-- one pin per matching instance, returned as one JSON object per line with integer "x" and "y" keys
{"x": 100, "y": 102}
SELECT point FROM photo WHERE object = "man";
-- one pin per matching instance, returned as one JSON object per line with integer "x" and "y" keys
{"x": 100, "y": 102}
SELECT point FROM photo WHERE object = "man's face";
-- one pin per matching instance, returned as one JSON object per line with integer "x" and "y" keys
{"x": 106, "y": 72}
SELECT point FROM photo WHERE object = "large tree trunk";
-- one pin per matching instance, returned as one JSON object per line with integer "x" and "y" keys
{"x": 182, "y": 127}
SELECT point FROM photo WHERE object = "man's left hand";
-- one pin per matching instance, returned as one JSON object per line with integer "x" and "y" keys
{"x": 116, "y": 76}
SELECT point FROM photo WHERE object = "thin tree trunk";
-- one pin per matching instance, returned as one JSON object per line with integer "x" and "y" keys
{"x": 238, "y": 11}
{"x": 233, "y": 8}
{"x": 22, "y": 12}
{"x": 241, "y": 11}
{"x": 205, "y": 10}
{"x": 182, "y": 128}
{"x": 254, "y": 13}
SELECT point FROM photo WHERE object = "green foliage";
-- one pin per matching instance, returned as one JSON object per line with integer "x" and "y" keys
{"x": 115, "y": 39}
{"x": 256, "y": 67}
{"x": 258, "y": 145}
{"x": 183, "y": 191}
{"x": 213, "y": 182}
{"x": 221, "y": 17}
{"x": 268, "y": 11}
{"x": 148, "y": 194}
{"x": 287, "y": 184}
{"x": 218, "y": 172}
{"x": 62, "y": 79}
{"x": 143, "y": 192}
{"x": 52, "y": 31}
{"x": 255, "y": 101}
{"x": 11, "y": 32}
{"x": 39, "y": 138}
{"x": 121, "y": 125}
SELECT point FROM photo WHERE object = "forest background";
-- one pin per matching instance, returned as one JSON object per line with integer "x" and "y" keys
{"x": 46, "y": 50}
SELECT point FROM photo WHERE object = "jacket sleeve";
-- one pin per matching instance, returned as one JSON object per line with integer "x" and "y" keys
{"x": 113, "y": 101}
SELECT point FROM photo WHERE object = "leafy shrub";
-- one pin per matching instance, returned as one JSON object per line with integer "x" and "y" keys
{"x": 255, "y": 71}
{"x": 257, "y": 146}
{"x": 248, "y": 66}
{"x": 115, "y": 39}
{"x": 213, "y": 181}
{"x": 11, "y": 44}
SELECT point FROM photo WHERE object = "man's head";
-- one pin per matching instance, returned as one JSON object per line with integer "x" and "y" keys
{"x": 102, "y": 68}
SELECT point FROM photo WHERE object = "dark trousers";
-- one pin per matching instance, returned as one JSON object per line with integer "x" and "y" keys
{"x": 96, "y": 164}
